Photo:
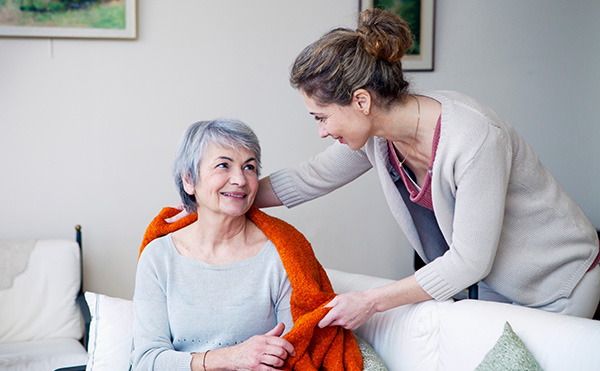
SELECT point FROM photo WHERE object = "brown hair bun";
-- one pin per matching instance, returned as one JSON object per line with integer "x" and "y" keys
{"x": 385, "y": 35}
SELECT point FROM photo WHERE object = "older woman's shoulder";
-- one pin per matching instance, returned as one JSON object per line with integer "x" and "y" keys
{"x": 158, "y": 248}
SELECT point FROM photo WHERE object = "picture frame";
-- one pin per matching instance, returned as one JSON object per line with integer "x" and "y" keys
{"x": 95, "y": 19}
{"x": 420, "y": 14}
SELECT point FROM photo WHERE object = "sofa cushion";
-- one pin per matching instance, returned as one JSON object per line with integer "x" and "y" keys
{"x": 47, "y": 354}
{"x": 509, "y": 353}
{"x": 371, "y": 359}
{"x": 111, "y": 330}
{"x": 38, "y": 301}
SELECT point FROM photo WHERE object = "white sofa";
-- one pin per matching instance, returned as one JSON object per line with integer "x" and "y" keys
{"x": 457, "y": 335}
{"x": 428, "y": 336}
{"x": 40, "y": 321}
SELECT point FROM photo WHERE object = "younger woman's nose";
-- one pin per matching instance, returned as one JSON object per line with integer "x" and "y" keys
{"x": 323, "y": 133}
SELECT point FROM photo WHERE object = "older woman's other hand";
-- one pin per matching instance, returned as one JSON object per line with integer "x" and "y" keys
{"x": 264, "y": 352}
{"x": 349, "y": 310}
{"x": 260, "y": 352}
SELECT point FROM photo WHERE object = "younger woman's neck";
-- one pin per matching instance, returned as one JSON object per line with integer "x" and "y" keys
{"x": 398, "y": 122}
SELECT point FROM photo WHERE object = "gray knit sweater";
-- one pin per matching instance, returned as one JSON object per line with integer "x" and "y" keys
{"x": 505, "y": 218}
{"x": 182, "y": 305}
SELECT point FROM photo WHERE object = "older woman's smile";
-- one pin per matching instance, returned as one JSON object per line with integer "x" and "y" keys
{"x": 234, "y": 194}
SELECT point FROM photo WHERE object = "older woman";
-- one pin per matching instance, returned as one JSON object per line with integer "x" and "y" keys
{"x": 220, "y": 283}
{"x": 217, "y": 283}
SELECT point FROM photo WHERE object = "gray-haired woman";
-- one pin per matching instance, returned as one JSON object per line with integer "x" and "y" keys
{"x": 219, "y": 283}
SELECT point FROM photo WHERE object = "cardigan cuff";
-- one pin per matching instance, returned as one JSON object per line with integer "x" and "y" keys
{"x": 433, "y": 284}
{"x": 284, "y": 189}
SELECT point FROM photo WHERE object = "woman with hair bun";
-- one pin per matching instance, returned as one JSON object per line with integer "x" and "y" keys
{"x": 469, "y": 193}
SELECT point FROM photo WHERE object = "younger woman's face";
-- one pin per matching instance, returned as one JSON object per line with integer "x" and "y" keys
{"x": 346, "y": 124}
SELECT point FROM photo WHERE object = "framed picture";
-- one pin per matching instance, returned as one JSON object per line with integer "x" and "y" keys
{"x": 420, "y": 15}
{"x": 102, "y": 19}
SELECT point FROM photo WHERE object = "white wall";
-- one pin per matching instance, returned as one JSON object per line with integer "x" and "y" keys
{"x": 88, "y": 128}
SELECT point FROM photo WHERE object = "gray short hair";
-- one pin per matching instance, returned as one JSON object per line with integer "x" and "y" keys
{"x": 225, "y": 132}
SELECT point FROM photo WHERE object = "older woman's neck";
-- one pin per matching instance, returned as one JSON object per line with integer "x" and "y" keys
{"x": 219, "y": 239}
{"x": 222, "y": 228}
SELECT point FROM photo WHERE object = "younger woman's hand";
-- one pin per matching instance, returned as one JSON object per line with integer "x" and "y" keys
{"x": 181, "y": 215}
{"x": 349, "y": 310}
{"x": 352, "y": 309}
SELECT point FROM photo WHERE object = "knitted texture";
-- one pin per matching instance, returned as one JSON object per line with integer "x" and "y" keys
{"x": 330, "y": 348}
{"x": 371, "y": 360}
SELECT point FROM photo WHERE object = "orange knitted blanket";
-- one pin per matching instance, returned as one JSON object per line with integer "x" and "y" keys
{"x": 330, "y": 348}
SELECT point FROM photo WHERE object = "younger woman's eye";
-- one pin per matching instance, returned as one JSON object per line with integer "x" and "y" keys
{"x": 319, "y": 118}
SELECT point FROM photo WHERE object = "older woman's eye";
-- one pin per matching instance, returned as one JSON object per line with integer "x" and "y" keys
{"x": 223, "y": 165}
{"x": 250, "y": 167}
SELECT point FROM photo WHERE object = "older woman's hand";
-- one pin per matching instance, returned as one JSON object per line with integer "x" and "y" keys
{"x": 264, "y": 352}
{"x": 260, "y": 352}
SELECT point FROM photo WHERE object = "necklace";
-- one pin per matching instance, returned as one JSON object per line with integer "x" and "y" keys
{"x": 414, "y": 137}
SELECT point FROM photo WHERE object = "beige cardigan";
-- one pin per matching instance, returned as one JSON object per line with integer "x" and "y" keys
{"x": 497, "y": 206}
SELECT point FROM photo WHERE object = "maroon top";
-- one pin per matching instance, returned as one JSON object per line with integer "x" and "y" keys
{"x": 420, "y": 196}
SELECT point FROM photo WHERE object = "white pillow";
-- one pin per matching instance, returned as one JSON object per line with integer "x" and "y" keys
{"x": 110, "y": 335}
{"x": 40, "y": 302}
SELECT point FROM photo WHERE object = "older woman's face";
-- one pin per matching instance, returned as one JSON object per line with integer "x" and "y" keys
{"x": 227, "y": 181}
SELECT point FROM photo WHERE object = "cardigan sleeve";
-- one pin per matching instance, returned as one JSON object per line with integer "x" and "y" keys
{"x": 480, "y": 194}
{"x": 331, "y": 169}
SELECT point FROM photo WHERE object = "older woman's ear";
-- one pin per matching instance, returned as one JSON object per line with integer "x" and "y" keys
{"x": 188, "y": 186}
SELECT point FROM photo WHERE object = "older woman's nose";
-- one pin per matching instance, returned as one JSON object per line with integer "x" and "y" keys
{"x": 238, "y": 177}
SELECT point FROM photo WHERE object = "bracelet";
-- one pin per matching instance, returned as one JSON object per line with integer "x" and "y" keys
{"x": 204, "y": 360}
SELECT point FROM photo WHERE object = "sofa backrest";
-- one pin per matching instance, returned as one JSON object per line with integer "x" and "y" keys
{"x": 40, "y": 282}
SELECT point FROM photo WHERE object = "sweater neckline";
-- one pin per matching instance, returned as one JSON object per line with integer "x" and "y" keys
{"x": 259, "y": 257}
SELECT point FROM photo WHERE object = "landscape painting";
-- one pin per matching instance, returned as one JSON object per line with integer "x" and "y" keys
{"x": 68, "y": 18}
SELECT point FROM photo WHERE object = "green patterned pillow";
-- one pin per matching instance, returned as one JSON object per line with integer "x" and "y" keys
{"x": 509, "y": 353}
{"x": 371, "y": 360}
